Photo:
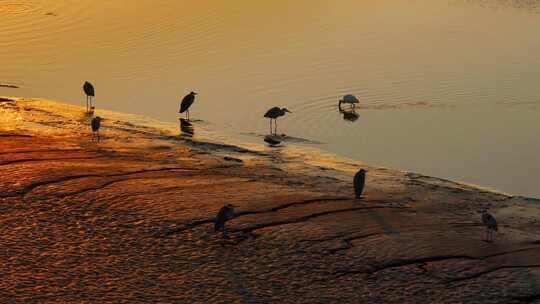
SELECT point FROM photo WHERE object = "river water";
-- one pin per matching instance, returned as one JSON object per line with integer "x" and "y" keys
{"x": 447, "y": 88}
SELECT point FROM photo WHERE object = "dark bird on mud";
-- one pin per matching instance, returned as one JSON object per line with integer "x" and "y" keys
{"x": 491, "y": 225}
{"x": 359, "y": 181}
{"x": 273, "y": 114}
{"x": 96, "y": 124}
{"x": 187, "y": 101}
{"x": 350, "y": 99}
{"x": 88, "y": 89}
{"x": 271, "y": 140}
{"x": 225, "y": 213}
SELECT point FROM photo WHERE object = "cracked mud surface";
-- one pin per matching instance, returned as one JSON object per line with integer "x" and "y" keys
{"x": 131, "y": 220}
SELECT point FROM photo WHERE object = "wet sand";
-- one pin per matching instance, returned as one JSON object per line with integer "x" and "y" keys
{"x": 130, "y": 219}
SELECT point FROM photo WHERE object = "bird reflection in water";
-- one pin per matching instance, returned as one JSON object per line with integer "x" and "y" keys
{"x": 273, "y": 141}
{"x": 348, "y": 114}
{"x": 186, "y": 128}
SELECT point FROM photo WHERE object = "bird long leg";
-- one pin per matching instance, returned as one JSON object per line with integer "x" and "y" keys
{"x": 187, "y": 114}
{"x": 86, "y": 103}
{"x": 270, "y": 126}
{"x": 275, "y": 126}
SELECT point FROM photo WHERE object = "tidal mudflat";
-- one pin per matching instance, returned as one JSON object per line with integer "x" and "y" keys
{"x": 130, "y": 219}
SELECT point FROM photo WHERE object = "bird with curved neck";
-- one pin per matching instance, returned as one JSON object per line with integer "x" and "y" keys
{"x": 274, "y": 113}
{"x": 349, "y": 99}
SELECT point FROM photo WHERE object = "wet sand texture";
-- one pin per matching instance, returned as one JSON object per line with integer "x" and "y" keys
{"x": 131, "y": 220}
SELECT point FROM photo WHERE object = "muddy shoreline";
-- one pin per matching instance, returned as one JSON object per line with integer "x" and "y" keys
{"x": 130, "y": 219}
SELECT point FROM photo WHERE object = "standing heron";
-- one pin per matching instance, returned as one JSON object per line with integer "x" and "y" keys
{"x": 88, "y": 89}
{"x": 491, "y": 225}
{"x": 225, "y": 213}
{"x": 350, "y": 99}
{"x": 96, "y": 124}
{"x": 187, "y": 101}
{"x": 273, "y": 114}
{"x": 359, "y": 182}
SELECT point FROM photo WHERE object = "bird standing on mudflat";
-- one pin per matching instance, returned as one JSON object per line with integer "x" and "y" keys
{"x": 273, "y": 114}
{"x": 225, "y": 213}
{"x": 96, "y": 124}
{"x": 88, "y": 89}
{"x": 359, "y": 182}
{"x": 491, "y": 224}
{"x": 187, "y": 101}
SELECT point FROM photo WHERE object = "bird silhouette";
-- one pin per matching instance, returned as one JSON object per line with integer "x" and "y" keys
{"x": 225, "y": 214}
{"x": 88, "y": 89}
{"x": 490, "y": 223}
{"x": 187, "y": 101}
{"x": 274, "y": 113}
{"x": 96, "y": 124}
{"x": 359, "y": 182}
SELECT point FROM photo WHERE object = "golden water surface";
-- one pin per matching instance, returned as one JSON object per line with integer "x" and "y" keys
{"x": 447, "y": 87}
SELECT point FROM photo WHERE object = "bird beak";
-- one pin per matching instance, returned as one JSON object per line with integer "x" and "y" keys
{"x": 288, "y": 111}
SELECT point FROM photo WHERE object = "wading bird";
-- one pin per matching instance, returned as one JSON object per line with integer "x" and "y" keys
{"x": 96, "y": 124}
{"x": 88, "y": 89}
{"x": 359, "y": 181}
{"x": 187, "y": 101}
{"x": 273, "y": 114}
{"x": 350, "y": 99}
{"x": 225, "y": 213}
{"x": 491, "y": 225}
